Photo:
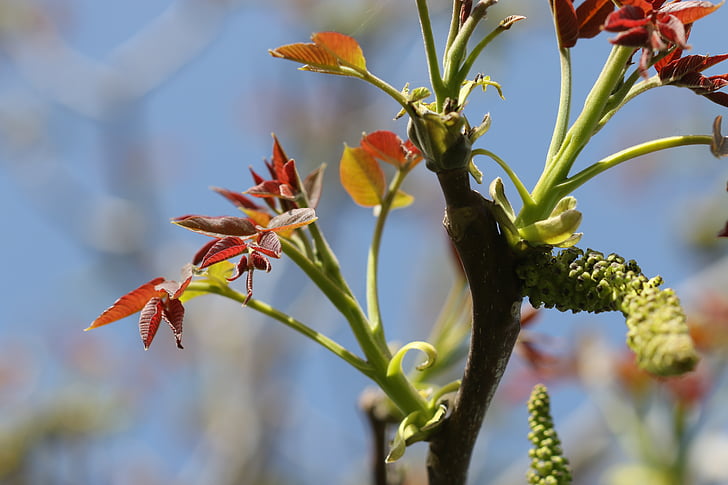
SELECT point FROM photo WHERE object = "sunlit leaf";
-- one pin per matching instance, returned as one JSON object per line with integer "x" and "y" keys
{"x": 223, "y": 249}
{"x": 386, "y": 146}
{"x": 128, "y": 304}
{"x": 329, "y": 52}
{"x": 591, "y": 15}
{"x": 149, "y": 320}
{"x": 292, "y": 219}
{"x": 402, "y": 199}
{"x": 219, "y": 226}
{"x": 688, "y": 12}
{"x": 362, "y": 177}
{"x": 343, "y": 47}
{"x": 312, "y": 56}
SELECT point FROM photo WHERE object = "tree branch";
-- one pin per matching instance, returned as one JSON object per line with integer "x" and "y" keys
{"x": 489, "y": 266}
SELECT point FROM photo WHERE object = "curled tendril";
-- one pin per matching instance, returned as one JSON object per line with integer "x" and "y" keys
{"x": 395, "y": 365}
{"x": 406, "y": 429}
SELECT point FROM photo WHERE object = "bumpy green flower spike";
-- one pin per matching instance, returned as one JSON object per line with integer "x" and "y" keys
{"x": 548, "y": 465}
{"x": 589, "y": 281}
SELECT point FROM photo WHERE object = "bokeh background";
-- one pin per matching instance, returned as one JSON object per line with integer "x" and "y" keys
{"x": 117, "y": 116}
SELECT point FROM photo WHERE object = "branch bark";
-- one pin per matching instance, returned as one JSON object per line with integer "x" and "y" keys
{"x": 489, "y": 266}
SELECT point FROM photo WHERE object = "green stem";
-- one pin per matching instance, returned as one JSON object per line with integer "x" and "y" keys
{"x": 430, "y": 52}
{"x": 579, "y": 179}
{"x": 467, "y": 65}
{"x": 456, "y": 53}
{"x": 373, "y": 310}
{"x": 454, "y": 24}
{"x": 264, "y": 308}
{"x": 631, "y": 93}
{"x": 562, "y": 118}
{"x": 577, "y": 137}
{"x": 522, "y": 190}
{"x": 397, "y": 387}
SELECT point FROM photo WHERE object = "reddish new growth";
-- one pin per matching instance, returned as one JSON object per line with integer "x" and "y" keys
{"x": 255, "y": 238}
{"x": 157, "y": 300}
{"x": 655, "y": 26}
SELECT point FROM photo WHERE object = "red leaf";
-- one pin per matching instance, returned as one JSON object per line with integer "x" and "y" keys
{"x": 362, "y": 177}
{"x": 625, "y": 18}
{"x": 567, "y": 25}
{"x": 291, "y": 219}
{"x": 236, "y": 198}
{"x": 128, "y": 304}
{"x": 240, "y": 268}
{"x": 724, "y": 232}
{"x": 689, "y": 11}
{"x": 200, "y": 254}
{"x": 223, "y": 249}
{"x": 385, "y": 146}
{"x": 272, "y": 188}
{"x": 219, "y": 226}
{"x": 279, "y": 159}
{"x": 149, "y": 320}
{"x": 269, "y": 244}
{"x": 591, "y": 16}
{"x": 175, "y": 289}
{"x": 173, "y": 314}
{"x": 260, "y": 262}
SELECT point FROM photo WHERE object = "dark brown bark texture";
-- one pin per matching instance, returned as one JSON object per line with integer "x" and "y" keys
{"x": 488, "y": 263}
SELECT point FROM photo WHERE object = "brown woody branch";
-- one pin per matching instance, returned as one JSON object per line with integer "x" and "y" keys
{"x": 489, "y": 266}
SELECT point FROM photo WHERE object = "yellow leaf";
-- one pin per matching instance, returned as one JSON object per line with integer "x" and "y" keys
{"x": 402, "y": 199}
{"x": 362, "y": 177}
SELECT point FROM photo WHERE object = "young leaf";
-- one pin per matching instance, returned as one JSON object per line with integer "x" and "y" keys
{"x": 237, "y": 198}
{"x": 385, "y": 146}
{"x": 591, "y": 16}
{"x": 313, "y": 184}
{"x": 402, "y": 199}
{"x": 567, "y": 25}
{"x": 173, "y": 314}
{"x": 329, "y": 52}
{"x": 128, "y": 304}
{"x": 220, "y": 226}
{"x": 149, "y": 320}
{"x": 292, "y": 219}
{"x": 223, "y": 249}
{"x": 362, "y": 177}
{"x": 346, "y": 49}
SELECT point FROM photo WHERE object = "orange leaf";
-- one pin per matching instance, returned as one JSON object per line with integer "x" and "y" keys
{"x": 386, "y": 146}
{"x": 343, "y": 47}
{"x": 328, "y": 53}
{"x": 129, "y": 304}
{"x": 315, "y": 58}
{"x": 362, "y": 177}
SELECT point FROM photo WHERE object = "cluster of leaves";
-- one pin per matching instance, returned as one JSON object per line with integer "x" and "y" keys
{"x": 254, "y": 237}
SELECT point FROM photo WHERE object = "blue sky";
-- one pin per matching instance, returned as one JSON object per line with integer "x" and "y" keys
{"x": 159, "y": 100}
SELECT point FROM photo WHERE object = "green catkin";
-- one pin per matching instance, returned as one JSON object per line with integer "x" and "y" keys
{"x": 548, "y": 464}
{"x": 589, "y": 281}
